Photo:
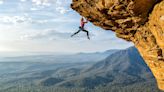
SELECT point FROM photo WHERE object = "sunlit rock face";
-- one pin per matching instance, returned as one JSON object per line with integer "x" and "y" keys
{"x": 139, "y": 21}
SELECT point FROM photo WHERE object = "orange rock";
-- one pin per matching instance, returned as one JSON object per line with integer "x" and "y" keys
{"x": 133, "y": 20}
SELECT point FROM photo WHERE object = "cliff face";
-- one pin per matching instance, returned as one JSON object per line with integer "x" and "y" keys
{"x": 139, "y": 21}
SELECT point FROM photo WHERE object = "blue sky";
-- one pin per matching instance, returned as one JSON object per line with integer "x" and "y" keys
{"x": 46, "y": 26}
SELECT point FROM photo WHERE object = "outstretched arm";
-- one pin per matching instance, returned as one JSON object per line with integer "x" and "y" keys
{"x": 86, "y": 21}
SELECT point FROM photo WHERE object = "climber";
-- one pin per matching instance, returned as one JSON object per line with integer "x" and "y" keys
{"x": 81, "y": 28}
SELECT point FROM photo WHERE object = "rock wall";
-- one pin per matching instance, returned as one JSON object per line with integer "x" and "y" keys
{"x": 139, "y": 21}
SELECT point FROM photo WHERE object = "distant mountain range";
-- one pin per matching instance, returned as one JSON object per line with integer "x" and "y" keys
{"x": 79, "y": 57}
{"x": 124, "y": 67}
{"x": 119, "y": 71}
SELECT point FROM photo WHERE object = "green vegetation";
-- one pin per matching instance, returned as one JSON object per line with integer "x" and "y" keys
{"x": 122, "y": 71}
{"x": 139, "y": 87}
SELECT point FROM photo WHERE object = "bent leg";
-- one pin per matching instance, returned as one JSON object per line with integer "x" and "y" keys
{"x": 87, "y": 34}
{"x": 75, "y": 33}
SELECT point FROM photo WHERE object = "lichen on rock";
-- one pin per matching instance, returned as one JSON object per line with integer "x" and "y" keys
{"x": 139, "y": 21}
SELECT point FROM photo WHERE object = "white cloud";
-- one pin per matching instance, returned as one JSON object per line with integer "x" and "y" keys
{"x": 14, "y": 19}
{"x": 39, "y": 21}
{"x": 62, "y": 10}
{"x": 47, "y": 34}
{"x": 23, "y": 0}
{"x": 61, "y": 6}
{"x": 1, "y": 2}
{"x": 33, "y": 9}
{"x": 42, "y": 2}
{"x": 37, "y": 2}
{"x": 20, "y": 19}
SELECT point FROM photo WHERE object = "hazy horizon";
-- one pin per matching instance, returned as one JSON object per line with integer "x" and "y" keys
{"x": 15, "y": 54}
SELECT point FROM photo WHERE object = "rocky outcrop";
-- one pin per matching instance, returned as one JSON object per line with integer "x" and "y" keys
{"x": 139, "y": 21}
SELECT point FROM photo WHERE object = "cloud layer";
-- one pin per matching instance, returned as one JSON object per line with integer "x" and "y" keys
{"x": 14, "y": 19}
{"x": 47, "y": 34}
{"x": 60, "y": 6}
